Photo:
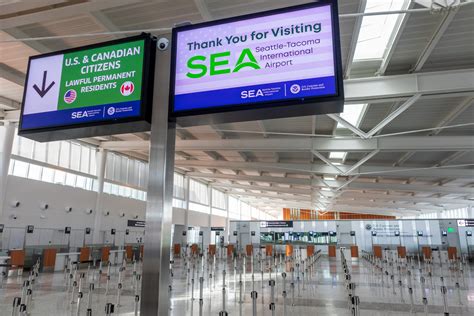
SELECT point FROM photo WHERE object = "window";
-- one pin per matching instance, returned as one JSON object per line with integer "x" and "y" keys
{"x": 34, "y": 172}
{"x": 218, "y": 199}
{"x": 198, "y": 192}
{"x": 234, "y": 208}
{"x": 20, "y": 169}
{"x": 178, "y": 189}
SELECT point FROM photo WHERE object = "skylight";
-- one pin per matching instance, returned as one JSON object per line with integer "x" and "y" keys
{"x": 353, "y": 114}
{"x": 376, "y": 30}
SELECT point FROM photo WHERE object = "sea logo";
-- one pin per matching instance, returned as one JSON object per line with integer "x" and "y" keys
{"x": 295, "y": 88}
{"x": 127, "y": 88}
{"x": 70, "y": 96}
{"x": 111, "y": 111}
{"x": 368, "y": 227}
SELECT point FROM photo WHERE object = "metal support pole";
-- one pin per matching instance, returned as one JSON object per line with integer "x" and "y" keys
{"x": 155, "y": 297}
{"x": 272, "y": 296}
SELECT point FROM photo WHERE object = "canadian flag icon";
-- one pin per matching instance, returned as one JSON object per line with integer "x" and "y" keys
{"x": 127, "y": 88}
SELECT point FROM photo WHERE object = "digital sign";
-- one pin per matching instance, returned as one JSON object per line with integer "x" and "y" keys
{"x": 103, "y": 84}
{"x": 287, "y": 57}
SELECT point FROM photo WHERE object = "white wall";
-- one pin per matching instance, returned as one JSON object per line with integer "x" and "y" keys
{"x": 32, "y": 194}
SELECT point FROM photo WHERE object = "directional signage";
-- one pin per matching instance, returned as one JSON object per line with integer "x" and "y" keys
{"x": 276, "y": 224}
{"x": 135, "y": 223}
{"x": 103, "y": 84}
{"x": 236, "y": 69}
{"x": 466, "y": 222}
{"x": 217, "y": 229}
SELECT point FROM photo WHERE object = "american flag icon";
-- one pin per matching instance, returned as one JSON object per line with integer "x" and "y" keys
{"x": 70, "y": 96}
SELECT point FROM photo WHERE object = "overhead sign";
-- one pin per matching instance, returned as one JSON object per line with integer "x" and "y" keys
{"x": 217, "y": 229}
{"x": 135, "y": 223}
{"x": 466, "y": 222}
{"x": 288, "y": 58}
{"x": 276, "y": 224}
{"x": 76, "y": 89}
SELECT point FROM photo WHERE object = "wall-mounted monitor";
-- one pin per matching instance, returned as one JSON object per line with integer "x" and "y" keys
{"x": 468, "y": 233}
{"x": 419, "y": 233}
{"x": 30, "y": 229}
{"x": 112, "y": 231}
{"x": 397, "y": 233}
{"x": 88, "y": 230}
{"x": 374, "y": 233}
{"x": 95, "y": 90}
{"x": 274, "y": 64}
{"x": 67, "y": 230}
{"x": 353, "y": 233}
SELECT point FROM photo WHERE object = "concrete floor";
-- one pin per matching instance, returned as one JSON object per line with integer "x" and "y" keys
{"x": 322, "y": 293}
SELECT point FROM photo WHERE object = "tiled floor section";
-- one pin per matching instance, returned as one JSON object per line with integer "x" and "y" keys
{"x": 323, "y": 292}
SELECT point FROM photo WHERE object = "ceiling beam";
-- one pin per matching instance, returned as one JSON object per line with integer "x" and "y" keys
{"x": 12, "y": 74}
{"x": 318, "y": 183}
{"x": 9, "y": 104}
{"x": 408, "y": 198}
{"x": 306, "y": 144}
{"x": 63, "y": 12}
{"x": 309, "y": 168}
{"x": 435, "y": 38}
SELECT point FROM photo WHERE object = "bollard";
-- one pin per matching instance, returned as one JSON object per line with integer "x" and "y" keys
{"x": 253, "y": 295}
{"x": 109, "y": 309}
{"x": 272, "y": 296}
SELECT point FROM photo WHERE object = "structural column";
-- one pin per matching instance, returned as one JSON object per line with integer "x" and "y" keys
{"x": 6, "y": 145}
{"x": 101, "y": 161}
{"x": 155, "y": 298}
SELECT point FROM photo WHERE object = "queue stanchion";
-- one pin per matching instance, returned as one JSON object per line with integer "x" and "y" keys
{"x": 412, "y": 305}
{"x": 355, "y": 306}
{"x": 272, "y": 296}
{"x": 254, "y": 295}
{"x": 201, "y": 297}
{"x": 16, "y": 305}
{"x": 444, "y": 293}
{"x": 424, "y": 299}
{"x": 137, "y": 301}
{"x": 283, "y": 275}
{"x": 89, "y": 300}
{"x": 109, "y": 309}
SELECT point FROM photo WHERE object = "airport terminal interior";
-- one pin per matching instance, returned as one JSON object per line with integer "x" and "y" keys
{"x": 237, "y": 157}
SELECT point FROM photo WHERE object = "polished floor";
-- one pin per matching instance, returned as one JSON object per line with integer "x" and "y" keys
{"x": 321, "y": 290}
